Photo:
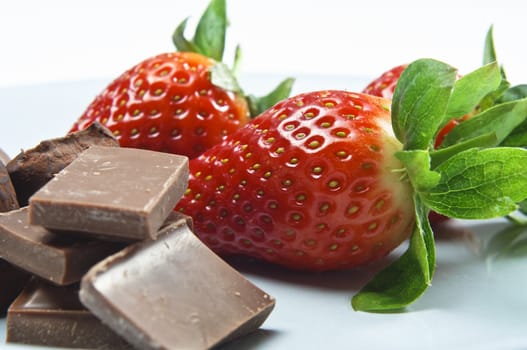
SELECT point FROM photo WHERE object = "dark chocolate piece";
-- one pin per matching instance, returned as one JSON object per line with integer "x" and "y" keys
{"x": 4, "y": 157}
{"x": 173, "y": 293}
{"x": 12, "y": 280}
{"x": 49, "y": 315}
{"x": 8, "y": 200}
{"x": 31, "y": 169}
{"x": 58, "y": 258}
{"x": 123, "y": 193}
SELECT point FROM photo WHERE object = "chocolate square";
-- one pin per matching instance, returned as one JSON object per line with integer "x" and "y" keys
{"x": 120, "y": 193}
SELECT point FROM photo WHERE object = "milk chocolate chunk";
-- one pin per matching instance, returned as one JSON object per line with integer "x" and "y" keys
{"x": 8, "y": 200}
{"x": 61, "y": 259}
{"x": 4, "y": 157}
{"x": 121, "y": 193}
{"x": 31, "y": 169}
{"x": 12, "y": 280}
{"x": 44, "y": 314}
{"x": 173, "y": 293}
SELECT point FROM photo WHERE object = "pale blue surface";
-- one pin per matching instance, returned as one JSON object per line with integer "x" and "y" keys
{"x": 471, "y": 305}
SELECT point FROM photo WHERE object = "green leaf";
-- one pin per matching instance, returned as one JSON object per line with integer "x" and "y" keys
{"x": 259, "y": 104}
{"x": 420, "y": 101}
{"x": 209, "y": 37}
{"x": 514, "y": 93}
{"x": 507, "y": 242}
{"x": 237, "y": 60}
{"x": 222, "y": 76}
{"x": 179, "y": 40}
{"x": 480, "y": 183}
{"x": 518, "y": 137}
{"x": 417, "y": 164}
{"x": 489, "y": 52}
{"x": 211, "y": 29}
{"x": 471, "y": 89}
{"x": 440, "y": 155}
{"x": 501, "y": 119}
{"x": 405, "y": 280}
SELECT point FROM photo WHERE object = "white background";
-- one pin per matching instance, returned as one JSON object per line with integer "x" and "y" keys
{"x": 56, "y": 40}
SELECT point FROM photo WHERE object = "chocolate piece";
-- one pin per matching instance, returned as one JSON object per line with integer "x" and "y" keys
{"x": 12, "y": 280}
{"x": 4, "y": 157}
{"x": 31, "y": 169}
{"x": 8, "y": 199}
{"x": 58, "y": 258}
{"x": 48, "y": 315}
{"x": 122, "y": 193}
{"x": 173, "y": 293}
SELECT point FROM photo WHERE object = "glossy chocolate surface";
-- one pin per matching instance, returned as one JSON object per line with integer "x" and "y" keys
{"x": 61, "y": 259}
{"x": 174, "y": 293}
{"x": 12, "y": 280}
{"x": 120, "y": 193}
{"x": 44, "y": 314}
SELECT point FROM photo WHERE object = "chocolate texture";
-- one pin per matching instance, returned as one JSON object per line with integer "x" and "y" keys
{"x": 120, "y": 193}
{"x": 12, "y": 280}
{"x": 8, "y": 200}
{"x": 4, "y": 157}
{"x": 44, "y": 314}
{"x": 173, "y": 293}
{"x": 33, "y": 168}
{"x": 61, "y": 259}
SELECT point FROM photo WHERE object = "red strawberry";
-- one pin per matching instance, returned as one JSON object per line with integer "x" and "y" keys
{"x": 384, "y": 85}
{"x": 179, "y": 102}
{"x": 310, "y": 184}
{"x": 168, "y": 103}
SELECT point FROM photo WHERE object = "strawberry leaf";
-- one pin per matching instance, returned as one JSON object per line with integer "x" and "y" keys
{"x": 420, "y": 101}
{"x": 514, "y": 93}
{"x": 471, "y": 89}
{"x": 417, "y": 165}
{"x": 259, "y": 104}
{"x": 489, "y": 51}
{"x": 210, "y": 31}
{"x": 222, "y": 76}
{"x": 518, "y": 137}
{"x": 407, "y": 278}
{"x": 506, "y": 242}
{"x": 480, "y": 183}
{"x": 439, "y": 156}
{"x": 501, "y": 119}
{"x": 179, "y": 40}
{"x": 209, "y": 37}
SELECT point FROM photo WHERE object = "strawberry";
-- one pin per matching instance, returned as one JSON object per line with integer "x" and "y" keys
{"x": 384, "y": 85}
{"x": 334, "y": 179}
{"x": 180, "y": 102}
{"x": 310, "y": 184}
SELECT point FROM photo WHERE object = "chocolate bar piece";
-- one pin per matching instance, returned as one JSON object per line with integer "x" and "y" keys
{"x": 8, "y": 200}
{"x": 173, "y": 293}
{"x": 61, "y": 259}
{"x": 121, "y": 193}
{"x": 44, "y": 314}
{"x": 12, "y": 280}
{"x": 31, "y": 169}
{"x": 4, "y": 157}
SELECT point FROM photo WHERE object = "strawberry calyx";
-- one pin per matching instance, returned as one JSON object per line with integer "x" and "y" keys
{"x": 209, "y": 40}
{"x": 473, "y": 175}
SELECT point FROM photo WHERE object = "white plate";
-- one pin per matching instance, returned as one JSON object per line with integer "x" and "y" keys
{"x": 472, "y": 304}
